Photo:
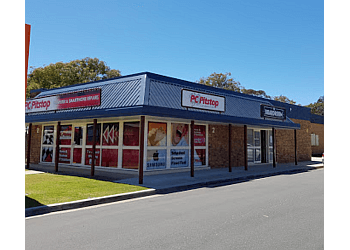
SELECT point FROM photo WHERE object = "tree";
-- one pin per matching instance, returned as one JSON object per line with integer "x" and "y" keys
{"x": 284, "y": 99}
{"x": 220, "y": 80}
{"x": 259, "y": 93}
{"x": 317, "y": 107}
{"x": 64, "y": 74}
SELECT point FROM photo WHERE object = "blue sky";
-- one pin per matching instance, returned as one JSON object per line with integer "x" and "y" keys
{"x": 276, "y": 46}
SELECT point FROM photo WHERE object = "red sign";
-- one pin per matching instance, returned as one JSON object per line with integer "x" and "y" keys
{"x": 80, "y": 99}
{"x": 87, "y": 98}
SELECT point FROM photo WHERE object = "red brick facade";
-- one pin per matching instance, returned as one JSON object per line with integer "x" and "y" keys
{"x": 285, "y": 149}
{"x": 35, "y": 144}
{"x": 318, "y": 129}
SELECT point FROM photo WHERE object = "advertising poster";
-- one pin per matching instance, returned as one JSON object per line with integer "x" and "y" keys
{"x": 199, "y": 157}
{"x": 64, "y": 155}
{"x": 199, "y": 135}
{"x": 90, "y": 135}
{"x": 110, "y": 134}
{"x": 131, "y": 134}
{"x": 48, "y": 135}
{"x": 179, "y": 134}
{"x": 88, "y": 157}
{"x": 156, "y": 159}
{"x": 130, "y": 158}
{"x": 156, "y": 134}
{"x": 66, "y": 135}
{"x": 179, "y": 158}
{"x": 77, "y": 153}
{"x": 46, "y": 154}
{"x": 109, "y": 158}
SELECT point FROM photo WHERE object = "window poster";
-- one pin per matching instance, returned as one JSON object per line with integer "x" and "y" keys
{"x": 110, "y": 134}
{"x": 156, "y": 159}
{"x": 179, "y": 158}
{"x": 199, "y": 157}
{"x": 77, "y": 153}
{"x": 66, "y": 135}
{"x": 131, "y": 158}
{"x": 90, "y": 134}
{"x": 131, "y": 134}
{"x": 48, "y": 135}
{"x": 88, "y": 156}
{"x": 179, "y": 134}
{"x": 109, "y": 157}
{"x": 64, "y": 155}
{"x": 156, "y": 134}
{"x": 46, "y": 154}
{"x": 199, "y": 135}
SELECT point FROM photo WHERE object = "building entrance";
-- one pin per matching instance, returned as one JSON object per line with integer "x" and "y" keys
{"x": 259, "y": 146}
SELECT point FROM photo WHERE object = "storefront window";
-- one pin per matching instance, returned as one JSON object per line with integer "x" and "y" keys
{"x": 109, "y": 157}
{"x": 179, "y": 134}
{"x": 131, "y": 134}
{"x": 78, "y": 136}
{"x": 110, "y": 134}
{"x": 47, "y": 154}
{"x": 199, "y": 135}
{"x": 48, "y": 134}
{"x": 179, "y": 158}
{"x": 64, "y": 155}
{"x": 66, "y": 135}
{"x": 88, "y": 156}
{"x": 89, "y": 134}
{"x": 199, "y": 157}
{"x": 156, "y": 159}
{"x": 156, "y": 134}
{"x": 130, "y": 158}
{"x": 48, "y": 142}
{"x": 250, "y": 140}
{"x": 77, "y": 153}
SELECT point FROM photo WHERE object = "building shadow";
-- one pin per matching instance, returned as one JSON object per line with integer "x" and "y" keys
{"x": 30, "y": 202}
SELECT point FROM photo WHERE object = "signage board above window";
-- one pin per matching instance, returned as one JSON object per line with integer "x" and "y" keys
{"x": 199, "y": 100}
{"x": 81, "y": 99}
{"x": 272, "y": 112}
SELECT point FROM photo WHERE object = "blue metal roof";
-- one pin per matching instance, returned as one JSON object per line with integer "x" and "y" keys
{"x": 151, "y": 94}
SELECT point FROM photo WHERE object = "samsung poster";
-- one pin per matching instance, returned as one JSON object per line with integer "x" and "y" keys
{"x": 156, "y": 159}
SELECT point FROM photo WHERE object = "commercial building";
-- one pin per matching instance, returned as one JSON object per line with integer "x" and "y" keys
{"x": 150, "y": 122}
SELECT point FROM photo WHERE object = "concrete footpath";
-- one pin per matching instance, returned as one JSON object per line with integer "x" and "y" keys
{"x": 166, "y": 181}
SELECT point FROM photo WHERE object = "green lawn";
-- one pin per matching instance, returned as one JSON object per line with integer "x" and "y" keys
{"x": 45, "y": 189}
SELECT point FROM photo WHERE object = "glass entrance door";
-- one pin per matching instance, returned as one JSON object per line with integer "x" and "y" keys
{"x": 254, "y": 146}
{"x": 77, "y": 145}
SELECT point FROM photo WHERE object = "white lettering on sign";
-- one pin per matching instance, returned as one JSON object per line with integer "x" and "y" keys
{"x": 193, "y": 99}
{"x": 274, "y": 113}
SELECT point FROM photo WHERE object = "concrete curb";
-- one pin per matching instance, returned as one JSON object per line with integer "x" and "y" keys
{"x": 86, "y": 202}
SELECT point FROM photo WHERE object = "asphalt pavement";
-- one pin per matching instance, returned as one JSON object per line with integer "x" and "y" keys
{"x": 283, "y": 212}
{"x": 161, "y": 182}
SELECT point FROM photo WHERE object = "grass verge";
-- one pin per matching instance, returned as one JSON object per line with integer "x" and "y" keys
{"x": 45, "y": 189}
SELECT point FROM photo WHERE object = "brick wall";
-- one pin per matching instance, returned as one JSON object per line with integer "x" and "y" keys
{"x": 35, "y": 144}
{"x": 219, "y": 149}
{"x": 218, "y": 144}
{"x": 285, "y": 143}
{"x": 318, "y": 129}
